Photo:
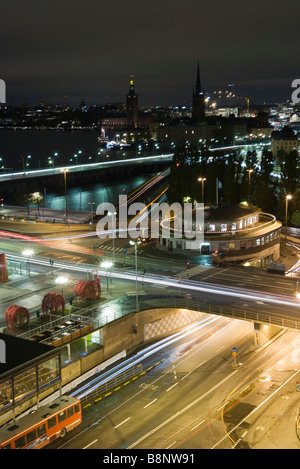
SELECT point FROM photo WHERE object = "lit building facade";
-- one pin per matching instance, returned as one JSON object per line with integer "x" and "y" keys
{"x": 284, "y": 140}
{"x": 232, "y": 234}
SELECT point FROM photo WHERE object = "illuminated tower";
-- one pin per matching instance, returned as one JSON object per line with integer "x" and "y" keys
{"x": 132, "y": 105}
{"x": 198, "y": 110}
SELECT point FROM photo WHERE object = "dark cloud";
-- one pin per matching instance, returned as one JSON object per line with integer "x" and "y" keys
{"x": 53, "y": 48}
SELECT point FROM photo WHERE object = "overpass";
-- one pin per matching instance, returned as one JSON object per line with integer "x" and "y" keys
{"x": 262, "y": 308}
{"x": 108, "y": 164}
{"x": 15, "y": 176}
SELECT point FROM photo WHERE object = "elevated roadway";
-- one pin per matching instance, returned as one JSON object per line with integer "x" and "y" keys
{"x": 15, "y": 176}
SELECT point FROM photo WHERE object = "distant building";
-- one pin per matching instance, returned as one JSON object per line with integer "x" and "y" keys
{"x": 133, "y": 124}
{"x": 198, "y": 109}
{"x": 132, "y": 106}
{"x": 231, "y": 234}
{"x": 284, "y": 140}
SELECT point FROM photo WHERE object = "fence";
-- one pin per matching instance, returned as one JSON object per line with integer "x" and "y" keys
{"x": 114, "y": 383}
{"x": 98, "y": 317}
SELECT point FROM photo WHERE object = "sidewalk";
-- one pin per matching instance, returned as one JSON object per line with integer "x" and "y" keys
{"x": 45, "y": 214}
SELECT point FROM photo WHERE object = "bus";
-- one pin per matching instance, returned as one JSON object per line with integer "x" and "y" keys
{"x": 41, "y": 427}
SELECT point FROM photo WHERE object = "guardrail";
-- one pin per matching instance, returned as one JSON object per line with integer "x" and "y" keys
{"x": 121, "y": 378}
{"x": 98, "y": 317}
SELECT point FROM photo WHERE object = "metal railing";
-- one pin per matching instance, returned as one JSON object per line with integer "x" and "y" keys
{"x": 98, "y": 317}
{"x": 106, "y": 388}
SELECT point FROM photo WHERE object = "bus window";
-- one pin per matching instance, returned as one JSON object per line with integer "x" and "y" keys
{"x": 31, "y": 436}
{"x": 77, "y": 409}
{"x": 41, "y": 430}
{"x": 70, "y": 412}
{"x": 20, "y": 442}
{"x": 62, "y": 416}
{"x": 52, "y": 422}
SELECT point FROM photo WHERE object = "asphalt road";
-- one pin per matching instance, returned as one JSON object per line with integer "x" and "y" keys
{"x": 199, "y": 397}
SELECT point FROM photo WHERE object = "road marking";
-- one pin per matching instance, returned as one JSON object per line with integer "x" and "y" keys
{"x": 90, "y": 444}
{"x": 183, "y": 410}
{"x": 172, "y": 386}
{"x": 147, "y": 405}
{"x": 171, "y": 445}
{"x": 254, "y": 411}
{"x": 124, "y": 421}
{"x": 198, "y": 424}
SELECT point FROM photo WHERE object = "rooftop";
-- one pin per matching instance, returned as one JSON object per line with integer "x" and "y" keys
{"x": 19, "y": 352}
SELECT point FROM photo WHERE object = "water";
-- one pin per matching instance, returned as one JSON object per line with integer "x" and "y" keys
{"x": 17, "y": 145}
{"x": 79, "y": 198}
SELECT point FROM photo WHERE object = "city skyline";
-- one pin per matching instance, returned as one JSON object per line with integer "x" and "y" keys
{"x": 88, "y": 52}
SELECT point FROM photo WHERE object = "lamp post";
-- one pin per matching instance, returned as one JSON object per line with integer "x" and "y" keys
{"x": 65, "y": 170}
{"x": 203, "y": 181}
{"x": 92, "y": 211}
{"x": 28, "y": 253}
{"x": 136, "y": 285}
{"x": 62, "y": 281}
{"x": 287, "y": 198}
{"x": 249, "y": 171}
{"x": 106, "y": 265}
{"x": 113, "y": 219}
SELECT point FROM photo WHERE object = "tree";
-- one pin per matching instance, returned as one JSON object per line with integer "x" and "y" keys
{"x": 88, "y": 289}
{"x": 3, "y": 269}
{"x": 36, "y": 198}
{"x": 52, "y": 302}
{"x": 16, "y": 315}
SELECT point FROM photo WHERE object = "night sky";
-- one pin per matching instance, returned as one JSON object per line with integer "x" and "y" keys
{"x": 86, "y": 49}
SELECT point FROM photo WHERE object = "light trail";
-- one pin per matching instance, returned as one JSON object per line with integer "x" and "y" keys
{"x": 191, "y": 285}
{"x": 74, "y": 168}
{"x": 140, "y": 356}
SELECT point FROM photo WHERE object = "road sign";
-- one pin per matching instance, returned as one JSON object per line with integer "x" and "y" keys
{"x": 234, "y": 349}
{"x": 234, "y": 354}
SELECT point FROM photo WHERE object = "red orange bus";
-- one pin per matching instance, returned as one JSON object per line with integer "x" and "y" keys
{"x": 41, "y": 427}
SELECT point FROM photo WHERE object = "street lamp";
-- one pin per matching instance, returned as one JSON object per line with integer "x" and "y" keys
{"x": 249, "y": 171}
{"x": 113, "y": 219}
{"x": 203, "y": 181}
{"x": 28, "y": 253}
{"x": 92, "y": 211}
{"x": 65, "y": 170}
{"x": 62, "y": 281}
{"x": 106, "y": 265}
{"x": 287, "y": 198}
{"x": 136, "y": 285}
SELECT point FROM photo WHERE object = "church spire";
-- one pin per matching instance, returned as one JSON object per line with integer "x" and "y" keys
{"x": 198, "y": 110}
{"x": 198, "y": 82}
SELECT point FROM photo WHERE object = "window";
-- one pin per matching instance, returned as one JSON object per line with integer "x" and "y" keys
{"x": 20, "y": 442}
{"x": 76, "y": 408}
{"x": 62, "y": 416}
{"x": 41, "y": 430}
{"x": 31, "y": 436}
{"x": 212, "y": 228}
{"x": 223, "y": 227}
{"x": 52, "y": 422}
{"x": 258, "y": 242}
{"x": 233, "y": 227}
{"x": 70, "y": 412}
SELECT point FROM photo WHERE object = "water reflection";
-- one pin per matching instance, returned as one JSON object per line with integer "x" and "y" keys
{"x": 79, "y": 197}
